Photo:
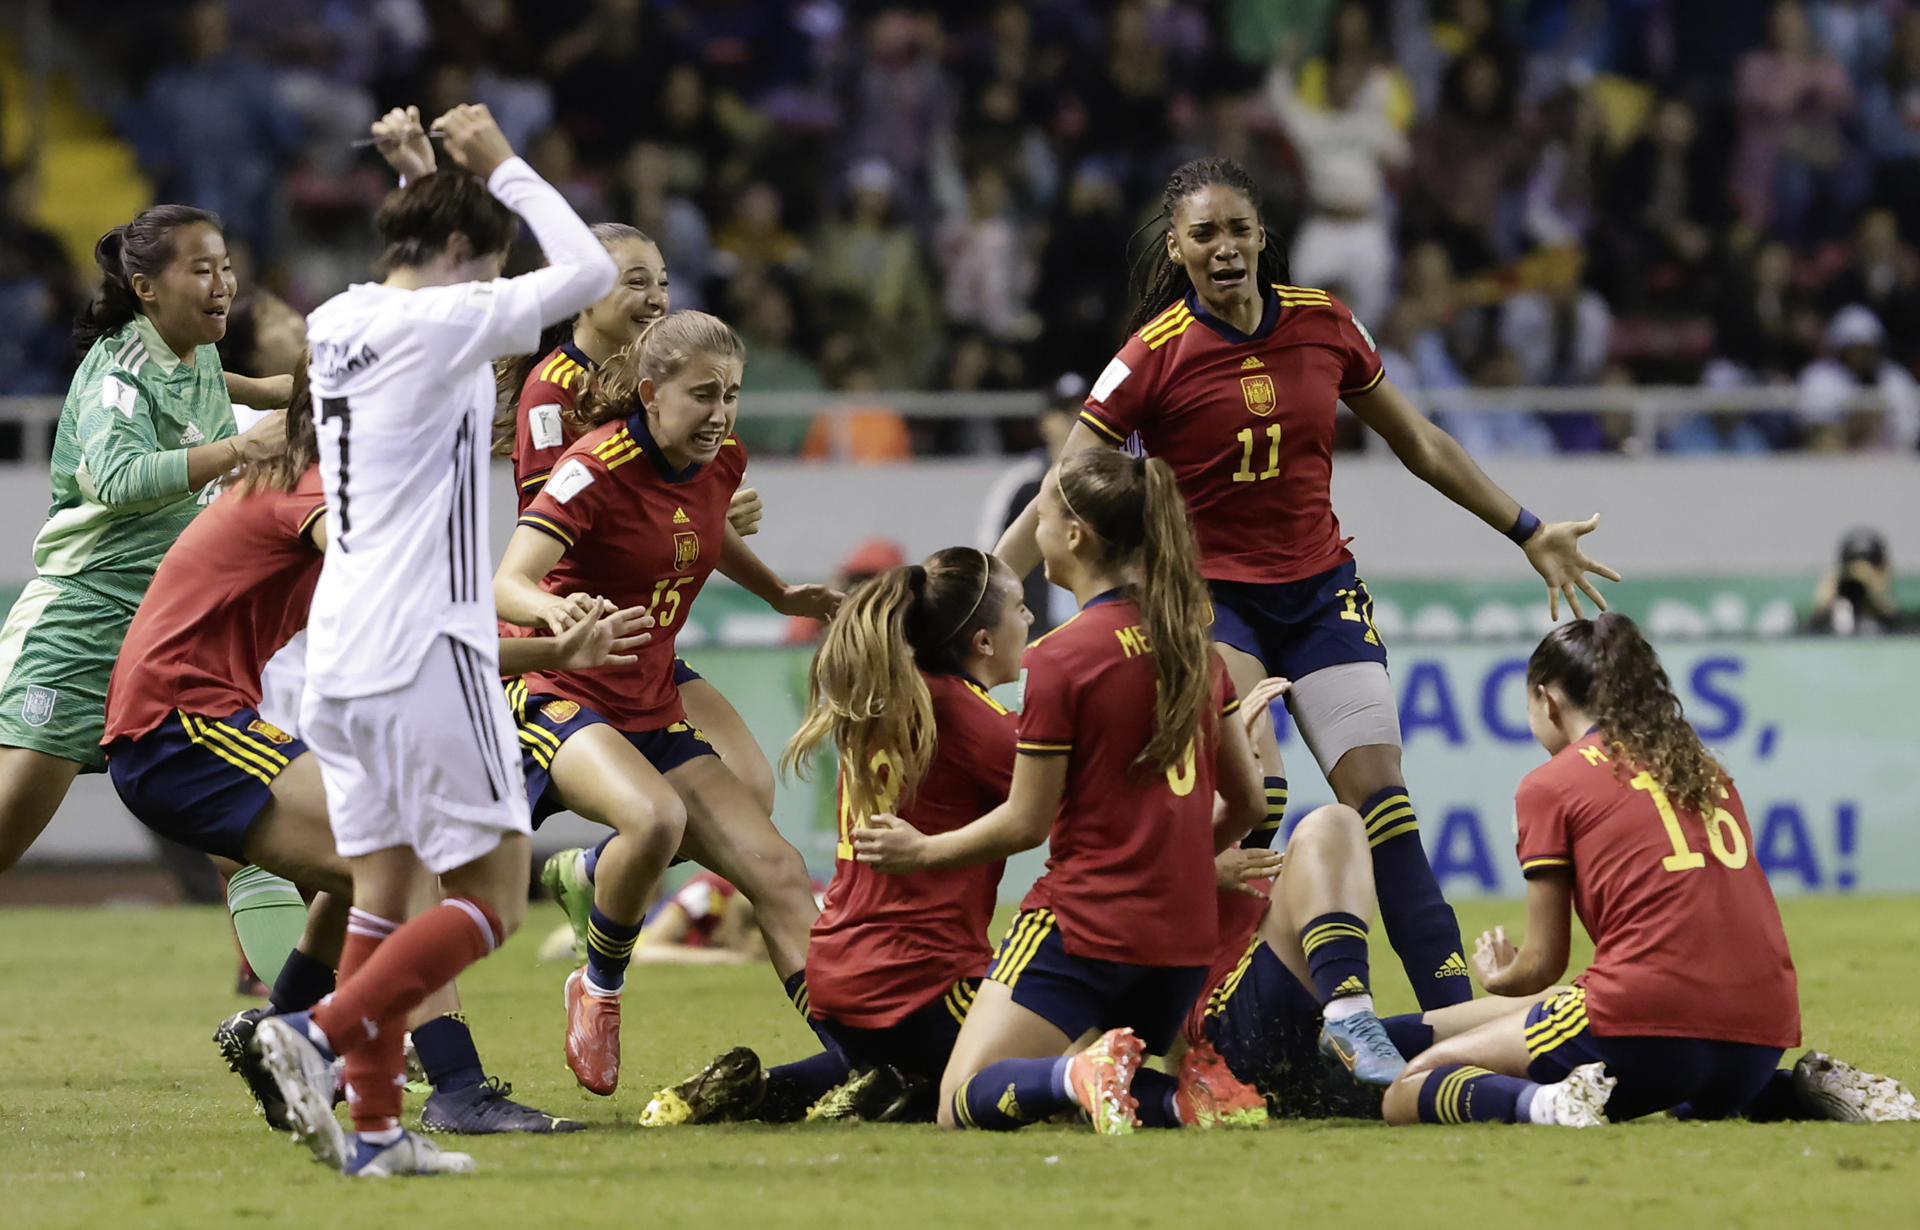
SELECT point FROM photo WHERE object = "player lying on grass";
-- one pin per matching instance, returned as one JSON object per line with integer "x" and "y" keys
{"x": 1122, "y": 744}
{"x": 898, "y": 689}
{"x": 193, "y": 759}
{"x": 1691, "y": 996}
{"x": 636, "y": 510}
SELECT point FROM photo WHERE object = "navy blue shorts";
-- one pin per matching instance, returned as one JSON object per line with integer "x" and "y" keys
{"x": 1298, "y": 627}
{"x": 1266, "y": 1025}
{"x": 547, "y": 721}
{"x": 202, "y": 781}
{"x": 683, "y": 674}
{"x": 919, "y": 1044}
{"x": 1711, "y": 1080}
{"x": 1075, "y": 994}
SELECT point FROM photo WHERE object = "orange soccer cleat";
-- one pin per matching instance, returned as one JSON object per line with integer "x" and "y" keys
{"x": 1101, "y": 1080}
{"x": 593, "y": 1036}
{"x": 1212, "y": 1096}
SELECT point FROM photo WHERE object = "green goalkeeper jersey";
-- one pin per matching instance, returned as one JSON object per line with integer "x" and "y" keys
{"x": 120, "y": 494}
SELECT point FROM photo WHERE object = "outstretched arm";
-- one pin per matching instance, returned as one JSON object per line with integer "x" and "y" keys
{"x": 739, "y": 564}
{"x": 1437, "y": 459}
{"x": 1017, "y": 548}
{"x": 892, "y": 845}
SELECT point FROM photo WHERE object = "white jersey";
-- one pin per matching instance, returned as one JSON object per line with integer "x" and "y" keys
{"x": 403, "y": 400}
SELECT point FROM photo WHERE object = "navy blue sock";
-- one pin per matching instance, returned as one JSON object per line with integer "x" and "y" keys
{"x": 1420, "y": 924}
{"x": 590, "y": 862}
{"x": 609, "y": 949}
{"x": 1336, "y": 948}
{"x": 1155, "y": 1092}
{"x": 1013, "y": 1093}
{"x": 446, "y": 1050}
{"x": 1266, "y": 834}
{"x": 795, "y": 985}
{"x": 1409, "y": 1032}
{"x": 1460, "y": 1093}
{"x": 805, "y": 1081}
{"x": 302, "y": 983}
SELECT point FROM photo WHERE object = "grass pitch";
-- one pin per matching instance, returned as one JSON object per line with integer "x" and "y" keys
{"x": 115, "y": 1112}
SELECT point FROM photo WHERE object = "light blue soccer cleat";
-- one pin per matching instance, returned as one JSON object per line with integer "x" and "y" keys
{"x": 1360, "y": 1044}
{"x": 304, "y": 1074}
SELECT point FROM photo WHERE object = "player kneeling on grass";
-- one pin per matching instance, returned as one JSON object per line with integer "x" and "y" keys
{"x": 899, "y": 689}
{"x": 403, "y": 712}
{"x": 193, "y": 759}
{"x": 1691, "y": 996}
{"x": 1121, "y": 744}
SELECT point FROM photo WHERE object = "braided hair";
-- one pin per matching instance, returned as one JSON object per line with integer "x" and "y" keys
{"x": 1162, "y": 280}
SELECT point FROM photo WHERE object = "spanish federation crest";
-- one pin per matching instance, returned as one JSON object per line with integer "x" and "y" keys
{"x": 1259, "y": 393}
{"x": 686, "y": 549}
{"x": 268, "y": 731}
{"x": 37, "y": 707}
{"x": 559, "y": 710}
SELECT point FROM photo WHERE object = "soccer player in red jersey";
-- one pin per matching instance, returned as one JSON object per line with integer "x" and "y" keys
{"x": 1122, "y": 748}
{"x": 899, "y": 690}
{"x": 193, "y": 759}
{"x": 1233, "y": 377}
{"x": 1691, "y": 995}
{"x": 539, "y": 417}
{"x": 637, "y": 511}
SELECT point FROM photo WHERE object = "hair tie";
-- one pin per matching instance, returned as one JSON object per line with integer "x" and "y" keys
{"x": 916, "y": 579}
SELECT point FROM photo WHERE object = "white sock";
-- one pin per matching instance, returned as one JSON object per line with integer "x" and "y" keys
{"x": 382, "y": 1139}
{"x": 1346, "y": 1006}
{"x": 594, "y": 988}
{"x": 1540, "y": 1108}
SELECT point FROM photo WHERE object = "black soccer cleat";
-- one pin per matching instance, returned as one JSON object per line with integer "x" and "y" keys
{"x": 234, "y": 1037}
{"x": 487, "y": 1109}
{"x": 729, "y": 1088}
{"x": 878, "y": 1095}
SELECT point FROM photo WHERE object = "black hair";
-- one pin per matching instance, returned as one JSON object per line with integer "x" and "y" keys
{"x": 417, "y": 219}
{"x": 144, "y": 245}
{"x": 1163, "y": 280}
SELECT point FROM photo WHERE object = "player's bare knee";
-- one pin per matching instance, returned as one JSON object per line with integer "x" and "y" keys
{"x": 1401, "y": 1106}
{"x": 1333, "y": 825}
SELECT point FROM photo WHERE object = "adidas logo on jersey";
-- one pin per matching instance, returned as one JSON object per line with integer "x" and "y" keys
{"x": 1251, "y": 361}
{"x": 1453, "y": 967}
{"x": 191, "y": 435}
{"x": 680, "y": 516}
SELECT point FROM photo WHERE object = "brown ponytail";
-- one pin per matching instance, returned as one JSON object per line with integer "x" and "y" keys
{"x": 865, "y": 694}
{"x": 283, "y": 470}
{"x": 510, "y": 374}
{"x": 1134, "y": 506}
{"x": 1607, "y": 668}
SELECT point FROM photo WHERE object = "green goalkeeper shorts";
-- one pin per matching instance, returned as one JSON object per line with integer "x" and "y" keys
{"x": 56, "y": 656}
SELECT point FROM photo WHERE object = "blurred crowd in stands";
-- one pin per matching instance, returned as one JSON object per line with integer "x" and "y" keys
{"x": 948, "y": 195}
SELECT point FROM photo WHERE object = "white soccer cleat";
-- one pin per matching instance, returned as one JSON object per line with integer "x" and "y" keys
{"x": 411, "y": 1154}
{"x": 1580, "y": 1100}
{"x": 306, "y": 1079}
{"x": 1837, "y": 1090}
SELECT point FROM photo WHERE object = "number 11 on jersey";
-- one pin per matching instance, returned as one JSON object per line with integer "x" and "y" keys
{"x": 1246, "y": 474}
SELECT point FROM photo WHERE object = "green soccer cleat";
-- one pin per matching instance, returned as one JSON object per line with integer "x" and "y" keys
{"x": 1360, "y": 1044}
{"x": 730, "y": 1088}
{"x": 1834, "y": 1089}
{"x": 572, "y": 892}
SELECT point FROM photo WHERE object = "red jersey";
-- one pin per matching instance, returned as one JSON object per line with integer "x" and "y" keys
{"x": 1246, "y": 422}
{"x": 541, "y": 430}
{"x": 641, "y": 533}
{"x": 1130, "y": 857}
{"x": 1240, "y": 919}
{"x": 1687, "y": 938}
{"x": 885, "y": 946}
{"x": 231, "y": 591}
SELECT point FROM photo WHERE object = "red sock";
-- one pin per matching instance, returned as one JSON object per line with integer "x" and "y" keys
{"x": 419, "y": 958}
{"x": 376, "y": 1068}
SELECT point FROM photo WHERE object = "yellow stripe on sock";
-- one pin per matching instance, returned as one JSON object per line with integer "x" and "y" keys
{"x": 1400, "y": 830}
{"x": 960, "y": 1111}
{"x": 1397, "y": 799}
